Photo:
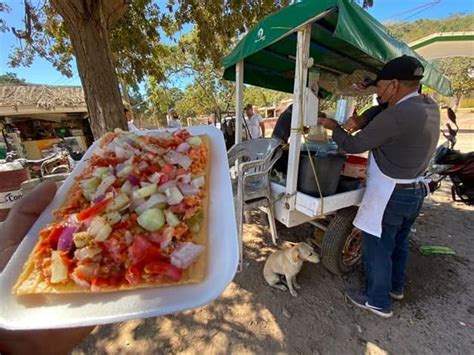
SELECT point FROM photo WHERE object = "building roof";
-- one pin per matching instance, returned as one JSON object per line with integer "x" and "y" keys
{"x": 34, "y": 99}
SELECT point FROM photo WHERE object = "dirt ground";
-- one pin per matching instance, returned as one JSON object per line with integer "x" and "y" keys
{"x": 251, "y": 317}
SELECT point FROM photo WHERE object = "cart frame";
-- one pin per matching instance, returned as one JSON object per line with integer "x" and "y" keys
{"x": 292, "y": 207}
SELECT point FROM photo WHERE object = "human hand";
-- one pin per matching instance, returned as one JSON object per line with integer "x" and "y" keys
{"x": 328, "y": 123}
{"x": 355, "y": 122}
{"x": 22, "y": 216}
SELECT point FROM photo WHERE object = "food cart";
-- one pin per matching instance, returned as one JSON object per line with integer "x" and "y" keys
{"x": 318, "y": 43}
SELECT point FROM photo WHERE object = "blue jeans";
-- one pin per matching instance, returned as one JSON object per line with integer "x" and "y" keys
{"x": 386, "y": 258}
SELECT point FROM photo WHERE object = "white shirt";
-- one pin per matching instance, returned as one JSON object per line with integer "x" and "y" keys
{"x": 406, "y": 97}
{"x": 254, "y": 126}
{"x": 173, "y": 123}
{"x": 132, "y": 127}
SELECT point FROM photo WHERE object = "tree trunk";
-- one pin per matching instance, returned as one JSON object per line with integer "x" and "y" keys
{"x": 88, "y": 23}
{"x": 457, "y": 101}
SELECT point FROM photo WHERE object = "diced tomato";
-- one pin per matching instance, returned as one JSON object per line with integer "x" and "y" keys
{"x": 68, "y": 262}
{"x": 179, "y": 208}
{"x": 96, "y": 161}
{"x": 94, "y": 210}
{"x": 164, "y": 179}
{"x": 51, "y": 240}
{"x": 180, "y": 230}
{"x": 167, "y": 143}
{"x": 133, "y": 274}
{"x": 133, "y": 219}
{"x": 122, "y": 225}
{"x": 181, "y": 171}
{"x": 156, "y": 237}
{"x": 182, "y": 133}
{"x": 115, "y": 248}
{"x": 166, "y": 269}
{"x": 172, "y": 174}
{"x": 138, "y": 249}
{"x": 154, "y": 169}
{"x": 142, "y": 249}
{"x": 99, "y": 282}
{"x": 168, "y": 168}
{"x": 178, "y": 140}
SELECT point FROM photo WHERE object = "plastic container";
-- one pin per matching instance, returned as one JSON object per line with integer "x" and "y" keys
{"x": 11, "y": 177}
{"x": 347, "y": 183}
{"x": 328, "y": 168}
{"x": 74, "y": 310}
{"x": 355, "y": 167}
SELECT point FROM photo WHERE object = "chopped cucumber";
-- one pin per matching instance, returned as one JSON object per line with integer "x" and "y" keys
{"x": 172, "y": 219}
{"x": 152, "y": 219}
{"x": 89, "y": 194}
{"x": 101, "y": 171}
{"x": 90, "y": 184}
{"x": 125, "y": 171}
{"x": 194, "y": 223}
{"x": 113, "y": 217}
{"x": 119, "y": 202}
{"x": 194, "y": 141}
{"x": 194, "y": 227}
{"x": 145, "y": 191}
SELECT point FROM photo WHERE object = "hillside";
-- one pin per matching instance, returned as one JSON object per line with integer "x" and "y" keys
{"x": 412, "y": 31}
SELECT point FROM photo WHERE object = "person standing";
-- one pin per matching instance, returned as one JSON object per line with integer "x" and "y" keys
{"x": 401, "y": 139}
{"x": 173, "y": 119}
{"x": 254, "y": 122}
{"x": 129, "y": 117}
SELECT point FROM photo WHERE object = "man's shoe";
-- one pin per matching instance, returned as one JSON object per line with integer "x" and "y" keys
{"x": 361, "y": 300}
{"x": 397, "y": 295}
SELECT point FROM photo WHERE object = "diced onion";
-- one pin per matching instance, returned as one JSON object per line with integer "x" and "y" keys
{"x": 187, "y": 189}
{"x": 104, "y": 185}
{"x": 183, "y": 147}
{"x": 65, "y": 239}
{"x": 178, "y": 158}
{"x": 198, "y": 182}
{"x": 167, "y": 185}
{"x": 152, "y": 201}
{"x": 155, "y": 177}
{"x": 185, "y": 178}
{"x": 142, "y": 165}
{"x": 185, "y": 254}
{"x": 133, "y": 180}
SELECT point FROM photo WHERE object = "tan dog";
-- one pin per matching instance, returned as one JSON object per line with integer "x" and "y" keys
{"x": 288, "y": 262}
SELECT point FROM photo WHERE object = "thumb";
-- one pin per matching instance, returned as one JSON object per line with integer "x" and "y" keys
{"x": 26, "y": 211}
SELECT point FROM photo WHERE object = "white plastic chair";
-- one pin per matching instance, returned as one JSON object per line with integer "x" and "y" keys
{"x": 251, "y": 162}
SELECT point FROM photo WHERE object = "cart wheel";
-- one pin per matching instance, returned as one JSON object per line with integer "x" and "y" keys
{"x": 341, "y": 248}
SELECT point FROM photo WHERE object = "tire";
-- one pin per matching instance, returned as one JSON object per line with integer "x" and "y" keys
{"x": 339, "y": 231}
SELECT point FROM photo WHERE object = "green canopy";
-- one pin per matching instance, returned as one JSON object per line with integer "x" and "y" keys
{"x": 344, "y": 38}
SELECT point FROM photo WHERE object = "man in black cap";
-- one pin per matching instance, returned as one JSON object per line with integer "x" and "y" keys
{"x": 402, "y": 139}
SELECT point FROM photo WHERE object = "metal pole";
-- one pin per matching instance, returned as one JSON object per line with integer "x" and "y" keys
{"x": 301, "y": 75}
{"x": 239, "y": 98}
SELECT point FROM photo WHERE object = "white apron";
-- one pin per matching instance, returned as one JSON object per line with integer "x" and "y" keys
{"x": 377, "y": 194}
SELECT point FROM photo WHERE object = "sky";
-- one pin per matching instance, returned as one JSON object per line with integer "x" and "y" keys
{"x": 42, "y": 72}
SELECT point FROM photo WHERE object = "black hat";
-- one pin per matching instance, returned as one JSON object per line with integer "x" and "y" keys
{"x": 401, "y": 68}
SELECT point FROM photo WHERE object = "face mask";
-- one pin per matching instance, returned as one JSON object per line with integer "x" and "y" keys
{"x": 382, "y": 104}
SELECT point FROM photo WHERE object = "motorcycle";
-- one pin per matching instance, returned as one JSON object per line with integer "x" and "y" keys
{"x": 448, "y": 162}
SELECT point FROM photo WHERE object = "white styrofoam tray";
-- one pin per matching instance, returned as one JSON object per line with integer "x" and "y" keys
{"x": 73, "y": 310}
